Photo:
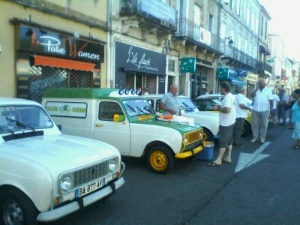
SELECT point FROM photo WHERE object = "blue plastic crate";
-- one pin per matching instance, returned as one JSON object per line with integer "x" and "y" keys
{"x": 207, "y": 153}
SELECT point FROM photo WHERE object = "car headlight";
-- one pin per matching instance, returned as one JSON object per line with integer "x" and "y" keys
{"x": 112, "y": 165}
{"x": 185, "y": 140}
{"x": 66, "y": 183}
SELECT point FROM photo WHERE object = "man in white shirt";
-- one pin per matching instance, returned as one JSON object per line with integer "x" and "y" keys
{"x": 263, "y": 102}
{"x": 274, "y": 110}
{"x": 226, "y": 121}
{"x": 241, "y": 113}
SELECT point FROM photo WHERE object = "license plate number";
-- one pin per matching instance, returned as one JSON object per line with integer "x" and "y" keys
{"x": 89, "y": 188}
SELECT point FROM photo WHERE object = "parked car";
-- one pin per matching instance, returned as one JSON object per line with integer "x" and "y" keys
{"x": 45, "y": 175}
{"x": 208, "y": 103}
{"x": 125, "y": 120}
{"x": 208, "y": 120}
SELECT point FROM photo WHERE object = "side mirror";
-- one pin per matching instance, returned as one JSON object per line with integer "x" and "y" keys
{"x": 118, "y": 118}
{"x": 59, "y": 126}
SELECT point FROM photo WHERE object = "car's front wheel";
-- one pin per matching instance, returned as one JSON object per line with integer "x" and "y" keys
{"x": 160, "y": 159}
{"x": 17, "y": 209}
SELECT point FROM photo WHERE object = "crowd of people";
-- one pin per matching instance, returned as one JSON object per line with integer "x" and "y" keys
{"x": 282, "y": 108}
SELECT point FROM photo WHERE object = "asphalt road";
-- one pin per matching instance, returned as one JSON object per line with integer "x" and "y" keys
{"x": 265, "y": 192}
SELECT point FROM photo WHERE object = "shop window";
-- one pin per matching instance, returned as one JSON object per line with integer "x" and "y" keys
{"x": 42, "y": 78}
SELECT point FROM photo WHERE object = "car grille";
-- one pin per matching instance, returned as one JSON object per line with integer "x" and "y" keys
{"x": 194, "y": 136}
{"x": 90, "y": 173}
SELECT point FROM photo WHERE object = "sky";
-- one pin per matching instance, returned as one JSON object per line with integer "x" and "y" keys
{"x": 285, "y": 21}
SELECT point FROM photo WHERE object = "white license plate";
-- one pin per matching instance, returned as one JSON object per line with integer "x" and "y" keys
{"x": 89, "y": 188}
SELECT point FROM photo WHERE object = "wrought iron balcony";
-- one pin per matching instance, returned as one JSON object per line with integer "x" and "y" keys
{"x": 152, "y": 10}
{"x": 196, "y": 34}
{"x": 262, "y": 66}
{"x": 239, "y": 56}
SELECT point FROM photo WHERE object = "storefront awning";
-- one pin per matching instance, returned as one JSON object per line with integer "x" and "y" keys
{"x": 63, "y": 63}
{"x": 237, "y": 81}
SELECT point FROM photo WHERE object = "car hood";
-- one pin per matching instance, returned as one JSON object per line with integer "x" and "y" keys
{"x": 58, "y": 153}
{"x": 182, "y": 128}
{"x": 202, "y": 114}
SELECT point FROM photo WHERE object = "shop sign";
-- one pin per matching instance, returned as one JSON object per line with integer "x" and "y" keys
{"x": 188, "y": 65}
{"x": 252, "y": 77}
{"x": 205, "y": 36}
{"x": 132, "y": 58}
{"x": 226, "y": 73}
{"x": 242, "y": 73}
{"x": 38, "y": 40}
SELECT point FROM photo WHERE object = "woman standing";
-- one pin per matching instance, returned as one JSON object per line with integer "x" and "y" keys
{"x": 296, "y": 118}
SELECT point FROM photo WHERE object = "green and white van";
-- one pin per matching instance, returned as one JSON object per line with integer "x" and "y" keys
{"x": 124, "y": 120}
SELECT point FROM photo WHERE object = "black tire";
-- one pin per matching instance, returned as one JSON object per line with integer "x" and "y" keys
{"x": 160, "y": 159}
{"x": 209, "y": 135}
{"x": 247, "y": 129}
{"x": 16, "y": 208}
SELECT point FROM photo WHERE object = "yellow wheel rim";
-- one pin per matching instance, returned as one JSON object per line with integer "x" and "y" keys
{"x": 158, "y": 160}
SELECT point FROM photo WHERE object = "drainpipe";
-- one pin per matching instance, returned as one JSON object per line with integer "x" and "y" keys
{"x": 109, "y": 46}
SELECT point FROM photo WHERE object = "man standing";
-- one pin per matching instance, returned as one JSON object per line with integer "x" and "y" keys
{"x": 241, "y": 113}
{"x": 226, "y": 121}
{"x": 283, "y": 100}
{"x": 263, "y": 102}
{"x": 170, "y": 102}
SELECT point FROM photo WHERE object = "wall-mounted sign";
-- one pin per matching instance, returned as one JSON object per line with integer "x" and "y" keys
{"x": 252, "y": 77}
{"x": 188, "y": 65}
{"x": 132, "y": 58}
{"x": 205, "y": 36}
{"x": 225, "y": 73}
{"x": 67, "y": 109}
{"x": 38, "y": 40}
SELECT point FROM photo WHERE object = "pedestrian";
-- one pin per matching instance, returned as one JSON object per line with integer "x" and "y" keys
{"x": 241, "y": 113}
{"x": 226, "y": 124}
{"x": 274, "y": 110}
{"x": 296, "y": 118}
{"x": 170, "y": 102}
{"x": 263, "y": 102}
{"x": 283, "y": 101}
{"x": 145, "y": 91}
{"x": 290, "y": 105}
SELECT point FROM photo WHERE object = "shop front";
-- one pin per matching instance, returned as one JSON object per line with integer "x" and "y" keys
{"x": 137, "y": 68}
{"x": 252, "y": 80}
{"x": 230, "y": 75}
{"x": 49, "y": 58}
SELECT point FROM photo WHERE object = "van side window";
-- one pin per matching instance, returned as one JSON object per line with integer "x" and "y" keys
{"x": 108, "y": 109}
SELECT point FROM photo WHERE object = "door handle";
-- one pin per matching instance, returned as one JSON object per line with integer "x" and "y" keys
{"x": 99, "y": 125}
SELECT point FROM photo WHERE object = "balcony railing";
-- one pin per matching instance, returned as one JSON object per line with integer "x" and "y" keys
{"x": 197, "y": 34}
{"x": 234, "y": 53}
{"x": 153, "y": 10}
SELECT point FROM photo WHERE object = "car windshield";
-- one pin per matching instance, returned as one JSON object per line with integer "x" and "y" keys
{"x": 19, "y": 117}
{"x": 187, "y": 104}
{"x": 136, "y": 107}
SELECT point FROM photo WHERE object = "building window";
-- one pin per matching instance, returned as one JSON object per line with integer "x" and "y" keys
{"x": 210, "y": 23}
{"x": 171, "y": 65}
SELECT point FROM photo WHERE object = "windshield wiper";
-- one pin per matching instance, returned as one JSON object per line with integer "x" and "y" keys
{"x": 132, "y": 109}
{"x": 19, "y": 124}
{"x": 3, "y": 129}
{"x": 142, "y": 110}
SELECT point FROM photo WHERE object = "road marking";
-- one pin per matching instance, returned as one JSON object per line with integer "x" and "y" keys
{"x": 248, "y": 159}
